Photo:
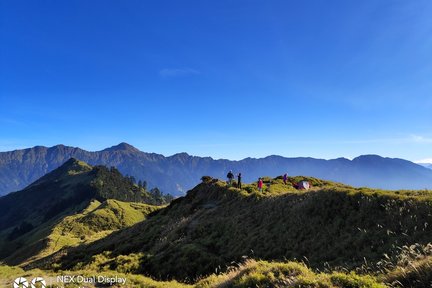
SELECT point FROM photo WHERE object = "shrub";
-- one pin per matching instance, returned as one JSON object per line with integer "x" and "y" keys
{"x": 206, "y": 179}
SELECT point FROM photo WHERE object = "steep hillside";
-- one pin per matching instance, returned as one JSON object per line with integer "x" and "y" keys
{"x": 178, "y": 173}
{"x": 73, "y": 204}
{"x": 331, "y": 225}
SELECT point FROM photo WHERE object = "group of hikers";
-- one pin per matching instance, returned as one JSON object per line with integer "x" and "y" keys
{"x": 230, "y": 177}
{"x": 260, "y": 182}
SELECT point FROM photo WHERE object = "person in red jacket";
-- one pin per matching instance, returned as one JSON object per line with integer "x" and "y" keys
{"x": 260, "y": 184}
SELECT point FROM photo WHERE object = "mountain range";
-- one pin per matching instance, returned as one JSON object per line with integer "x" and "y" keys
{"x": 180, "y": 172}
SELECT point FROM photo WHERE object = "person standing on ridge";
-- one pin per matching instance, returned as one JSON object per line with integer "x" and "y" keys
{"x": 230, "y": 177}
{"x": 239, "y": 180}
{"x": 260, "y": 184}
{"x": 285, "y": 178}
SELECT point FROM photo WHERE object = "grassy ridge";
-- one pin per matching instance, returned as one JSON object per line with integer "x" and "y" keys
{"x": 332, "y": 225}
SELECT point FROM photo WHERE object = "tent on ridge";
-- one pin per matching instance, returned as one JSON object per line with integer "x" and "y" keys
{"x": 303, "y": 185}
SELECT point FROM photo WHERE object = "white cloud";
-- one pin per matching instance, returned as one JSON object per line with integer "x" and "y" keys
{"x": 416, "y": 139}
{"x": 420, "y": 139}
{"x": 175, "y": 72}
{"x": 424, "y": 161}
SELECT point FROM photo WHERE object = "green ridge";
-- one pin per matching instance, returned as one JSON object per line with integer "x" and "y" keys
{"x": 331, "y": 225}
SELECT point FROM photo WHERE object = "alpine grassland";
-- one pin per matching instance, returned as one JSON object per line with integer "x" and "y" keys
{"x": 95, "y": 222}
{"x": 352, "y": 235}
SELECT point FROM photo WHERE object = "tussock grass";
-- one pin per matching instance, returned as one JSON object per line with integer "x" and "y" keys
{"x": 289, "y": 274}
{"x": 411, "y": 268}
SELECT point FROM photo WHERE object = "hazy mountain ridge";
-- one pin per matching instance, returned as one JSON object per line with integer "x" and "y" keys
{"x": 178, "y": 173}
{"x": 427, "y": 165}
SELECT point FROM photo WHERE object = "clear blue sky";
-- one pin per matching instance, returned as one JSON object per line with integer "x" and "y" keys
{"x": 225, "y": 78}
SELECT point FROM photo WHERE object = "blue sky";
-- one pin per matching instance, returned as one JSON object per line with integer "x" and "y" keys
{"x": 227, "y": 79}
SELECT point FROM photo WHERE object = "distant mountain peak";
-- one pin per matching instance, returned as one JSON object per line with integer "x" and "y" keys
{"x": 181, "y": 155}
{"x": 123, "y": 146}
{"x": 368, "y": 157}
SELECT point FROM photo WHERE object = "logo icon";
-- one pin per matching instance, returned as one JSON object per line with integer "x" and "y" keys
{"x": 38, "y": 280}
{"x": 21, "y": 282}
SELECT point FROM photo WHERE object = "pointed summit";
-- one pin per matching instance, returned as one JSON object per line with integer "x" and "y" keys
{"x": 70, "y": 167}
{"x": 122, "y": 147}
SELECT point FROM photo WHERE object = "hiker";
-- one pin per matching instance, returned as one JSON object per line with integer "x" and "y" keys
{"x": 239, "y": 181}
{"x": 230, "y": 177}
{"x": 285, "y": 178}
{"x": 260, "y": 184}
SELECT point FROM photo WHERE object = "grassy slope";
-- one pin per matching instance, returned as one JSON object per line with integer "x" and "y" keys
{"x": 290, "y": 274}
{"x": 331, "y": 225}
{"x": 96, "y": 221}
{"x": 250, "y": 274}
